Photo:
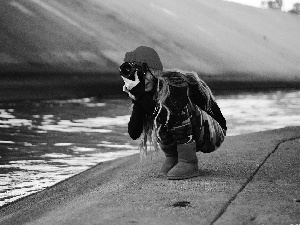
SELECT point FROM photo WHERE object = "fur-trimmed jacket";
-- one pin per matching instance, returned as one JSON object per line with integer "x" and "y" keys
{"x": 144, "y": 107}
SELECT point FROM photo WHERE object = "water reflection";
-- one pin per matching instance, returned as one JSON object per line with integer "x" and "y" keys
{"x": 258, "y": 112}
{"x": 44, "y": 143}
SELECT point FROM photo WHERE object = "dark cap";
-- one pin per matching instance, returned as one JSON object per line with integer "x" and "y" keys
{"x": 144, "y": 54}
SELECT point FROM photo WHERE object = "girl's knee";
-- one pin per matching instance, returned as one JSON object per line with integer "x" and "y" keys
{"x": 206, "y": 148}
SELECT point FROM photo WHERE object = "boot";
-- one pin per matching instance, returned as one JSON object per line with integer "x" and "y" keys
{"x": 187, "y": 165}
{"x": 171, "y": 157}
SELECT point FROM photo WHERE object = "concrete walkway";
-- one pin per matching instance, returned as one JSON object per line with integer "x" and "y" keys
{"x": 251, "y": 179}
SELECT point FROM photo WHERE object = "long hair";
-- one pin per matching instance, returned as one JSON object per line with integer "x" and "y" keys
{"x": 148, "y": 138}
{"x": 162, "y": 89}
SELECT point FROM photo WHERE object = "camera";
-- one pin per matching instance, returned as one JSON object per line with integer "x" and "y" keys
{"x": 128, "y": 69}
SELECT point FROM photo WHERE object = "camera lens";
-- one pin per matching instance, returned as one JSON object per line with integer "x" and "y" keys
{"x": 126, "y": 69}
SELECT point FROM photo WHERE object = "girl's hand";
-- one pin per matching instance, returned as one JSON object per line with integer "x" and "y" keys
{"x": 127, "y": 91}
{"x": 129, "y": 84}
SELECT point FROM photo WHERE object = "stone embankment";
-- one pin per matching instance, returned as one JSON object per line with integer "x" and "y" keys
{"x": 251, "y": 179}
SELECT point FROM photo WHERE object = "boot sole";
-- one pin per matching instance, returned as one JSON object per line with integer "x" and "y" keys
{"x": 196, "y": 174}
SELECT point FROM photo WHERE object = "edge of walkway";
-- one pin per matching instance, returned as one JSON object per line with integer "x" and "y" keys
{"x": 129, "y": 191}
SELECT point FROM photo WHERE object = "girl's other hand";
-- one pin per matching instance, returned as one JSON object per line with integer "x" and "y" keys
{"x": 129, "y": 84}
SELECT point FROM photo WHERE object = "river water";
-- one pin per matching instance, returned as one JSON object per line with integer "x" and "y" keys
{"x": 42, "y": 143}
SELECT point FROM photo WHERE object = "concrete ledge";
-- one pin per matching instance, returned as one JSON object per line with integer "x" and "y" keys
{"x": 251, "y": 179}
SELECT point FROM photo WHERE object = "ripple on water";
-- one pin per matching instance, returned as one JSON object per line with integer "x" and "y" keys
{"x": 44, "y": 143}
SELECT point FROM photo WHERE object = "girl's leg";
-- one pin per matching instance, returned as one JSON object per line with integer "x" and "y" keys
{"x": 207, "y": 132}
{"x": 187, "y": 166}
{"x": 171, "y": 159}
{"x": 169, "y": 147}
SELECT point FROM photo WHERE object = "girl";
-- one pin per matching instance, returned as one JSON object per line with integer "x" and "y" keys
{"x": 175, "y": 109}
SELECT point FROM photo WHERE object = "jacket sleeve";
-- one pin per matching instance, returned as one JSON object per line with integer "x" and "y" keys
{"x": 143, "y": 107}
{"x": 143, "y": 99}
{"x": 135, "y": 125}
{"x": 196, "y": 96}
{"x": 217, "y": 115}
{"x": 199, "y": 99}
